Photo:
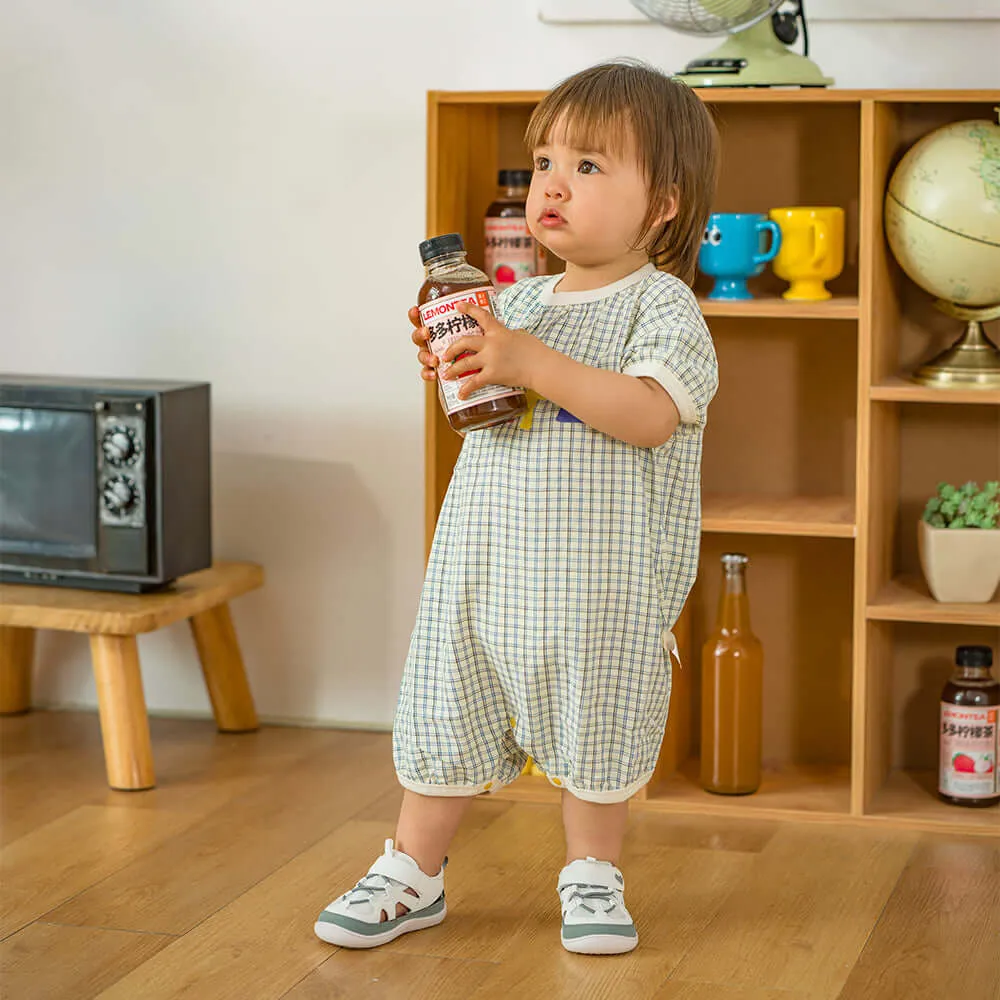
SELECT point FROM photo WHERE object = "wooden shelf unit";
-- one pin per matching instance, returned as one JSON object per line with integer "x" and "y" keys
{"x": 818, "y": 457}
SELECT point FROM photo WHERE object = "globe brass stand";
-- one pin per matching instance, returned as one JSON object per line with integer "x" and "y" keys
{"x": 973, "y": 361}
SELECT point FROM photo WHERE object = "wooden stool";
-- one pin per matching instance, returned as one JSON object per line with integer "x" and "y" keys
{"x": 113, "y": 621}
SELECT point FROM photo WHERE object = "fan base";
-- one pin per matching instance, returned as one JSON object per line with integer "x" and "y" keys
{"x": 753, "y": 58}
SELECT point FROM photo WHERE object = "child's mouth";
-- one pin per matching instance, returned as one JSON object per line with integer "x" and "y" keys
{"x": 551, "y": 219}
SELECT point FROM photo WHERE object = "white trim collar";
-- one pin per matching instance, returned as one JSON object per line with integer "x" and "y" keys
{"x": 550, "y": 297}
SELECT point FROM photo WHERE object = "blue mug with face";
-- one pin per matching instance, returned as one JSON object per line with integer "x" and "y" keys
{"x": 733, "y": 249}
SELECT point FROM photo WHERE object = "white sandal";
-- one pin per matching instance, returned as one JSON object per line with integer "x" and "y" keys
{"x": 366, "y": 916}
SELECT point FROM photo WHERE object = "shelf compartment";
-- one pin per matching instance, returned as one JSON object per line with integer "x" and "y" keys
{"x": 799, "y": 792}
{"x": 775, "y": 307}
{"x": 909, "y": 798}
{"x": 906, "y": 599}
{"x": 815, "y": 517}
{"x": 900, "y": 390}
{"x": 802, "y": 791}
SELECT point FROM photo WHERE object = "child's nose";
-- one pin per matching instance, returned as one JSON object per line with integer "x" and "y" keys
{"x": 555, "y": 186}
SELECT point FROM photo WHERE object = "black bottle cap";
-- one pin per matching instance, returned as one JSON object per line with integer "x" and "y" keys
{"x": 439, "y": 246}
{"x": 974, "y": 656}
{"x": 514, "y": 178}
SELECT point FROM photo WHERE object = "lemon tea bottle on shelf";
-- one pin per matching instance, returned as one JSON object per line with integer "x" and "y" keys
{"x": 451, "y": 279}
{"x": 509, "y": 248}
{"x": 970, "y": 731}
{"x": 732, "y": 671}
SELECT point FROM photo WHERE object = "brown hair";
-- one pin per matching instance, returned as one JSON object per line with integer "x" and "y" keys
{"x": 613, "y": 105}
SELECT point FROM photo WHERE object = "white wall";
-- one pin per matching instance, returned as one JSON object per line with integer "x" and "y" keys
{"x": 234, "y": 191}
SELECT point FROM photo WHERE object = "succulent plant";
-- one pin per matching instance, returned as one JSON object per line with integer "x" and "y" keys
{"x": 965, "y": 506}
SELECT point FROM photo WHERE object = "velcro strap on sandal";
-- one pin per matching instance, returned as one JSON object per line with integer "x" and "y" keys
{"x": 427, "y": 887}
{"x": 591, "y": 873}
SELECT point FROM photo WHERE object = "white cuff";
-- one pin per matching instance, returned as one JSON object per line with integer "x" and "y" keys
{"x": 674, "y": 387}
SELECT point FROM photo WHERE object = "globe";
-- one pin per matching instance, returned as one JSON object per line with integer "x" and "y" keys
{"x": 942, "y": 213}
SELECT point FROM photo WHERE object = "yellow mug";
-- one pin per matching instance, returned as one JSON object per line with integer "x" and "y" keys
{"x": 812, "y": 250}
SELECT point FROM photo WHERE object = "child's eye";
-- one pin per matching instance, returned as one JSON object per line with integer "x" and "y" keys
{"x": 542, "y": 163}
{"x": 589, "y": 167}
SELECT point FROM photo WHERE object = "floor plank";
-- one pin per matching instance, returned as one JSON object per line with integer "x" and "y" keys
{"x": 197, "y": 766}
{"x": 678, "y": 989}
{"x": 45, "y": 961}
{"x": 245, "y": 841}
{"x": 262, "y": 944}
{"x": 43, "y": 869}
{"x": 939, "y": 935}
{"x": 236, "y": 846}
{"x": 381, "y": 975}
{"x": 801, "y": 917}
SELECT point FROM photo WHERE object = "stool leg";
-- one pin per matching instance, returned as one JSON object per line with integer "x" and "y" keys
{"x": 128, "y": 754}
{"x": 222, "y": 665}
{"x": 17, "y": 649}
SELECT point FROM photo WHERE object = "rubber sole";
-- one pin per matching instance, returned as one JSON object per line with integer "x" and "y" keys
{"x": 600, "y": 944}
{"x": 342, "y": 937}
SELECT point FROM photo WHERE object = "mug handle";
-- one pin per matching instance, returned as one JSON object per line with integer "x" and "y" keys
{"x": 775, "y": 231}
{"x": 822, "y": 250}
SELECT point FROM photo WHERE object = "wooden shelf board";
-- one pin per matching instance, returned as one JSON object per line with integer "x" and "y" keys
{"x": 775, "y": 307}
{"x": 818, "y": 517}
{"x": 901, "y": 390}
{"x": 906, "y": 599}
{"x": 909, "y": 798}
{"x": 738, "y": 95}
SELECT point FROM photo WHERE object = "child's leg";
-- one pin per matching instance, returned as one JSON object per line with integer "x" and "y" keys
{"x": 594, "y": 830}
{"x": 591, "y": 888}
{"x": 426, "y": 826}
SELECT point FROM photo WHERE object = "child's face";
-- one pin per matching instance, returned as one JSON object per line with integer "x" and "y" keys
{"x": 587, "y": 207}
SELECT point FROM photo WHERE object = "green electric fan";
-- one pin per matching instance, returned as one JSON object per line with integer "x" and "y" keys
{"x": 757, "y": 52}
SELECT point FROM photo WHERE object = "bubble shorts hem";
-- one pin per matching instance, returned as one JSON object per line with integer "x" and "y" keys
{"x": 451, "y": 791}
{"x": 490, "y": 787}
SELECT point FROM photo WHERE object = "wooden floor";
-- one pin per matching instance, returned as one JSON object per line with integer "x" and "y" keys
{"x": 207, "y": 888}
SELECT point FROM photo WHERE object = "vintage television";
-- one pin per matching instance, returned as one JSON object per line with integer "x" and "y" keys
{"x": 104, "y": 484}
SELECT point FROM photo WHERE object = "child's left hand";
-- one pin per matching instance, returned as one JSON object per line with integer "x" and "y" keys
{"x": 498, "y": 357}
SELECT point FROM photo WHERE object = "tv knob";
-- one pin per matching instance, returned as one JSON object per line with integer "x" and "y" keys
{"x": 120, "y": 495}
{"x": 119, "y": 445}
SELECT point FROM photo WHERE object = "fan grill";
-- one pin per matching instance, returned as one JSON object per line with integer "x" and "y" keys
{"x": 707, "y": 17}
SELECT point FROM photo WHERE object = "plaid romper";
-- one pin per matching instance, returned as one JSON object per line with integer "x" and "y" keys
{"x": 561, "y": 560}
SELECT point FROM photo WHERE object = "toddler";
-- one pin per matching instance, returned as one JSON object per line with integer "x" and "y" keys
{"x": 568, "y": 541}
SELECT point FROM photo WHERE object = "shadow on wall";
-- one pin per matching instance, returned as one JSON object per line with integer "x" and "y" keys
{"x": 314, "y": 639}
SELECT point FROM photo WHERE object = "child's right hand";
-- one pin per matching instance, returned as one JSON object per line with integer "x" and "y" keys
{"x": 426, "y": 358}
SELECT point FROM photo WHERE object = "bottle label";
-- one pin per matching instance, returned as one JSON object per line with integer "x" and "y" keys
{"x": 510, "y": 251}
{"x": 446, "y": 325}
{"x": 970, "y": 739}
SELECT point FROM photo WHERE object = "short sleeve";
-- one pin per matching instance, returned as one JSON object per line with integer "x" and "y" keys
{"x": 501, "y": 303}
{"x": 669, "y": 342}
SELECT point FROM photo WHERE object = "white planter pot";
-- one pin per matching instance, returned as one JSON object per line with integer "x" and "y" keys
{"x": 961, "y": 565}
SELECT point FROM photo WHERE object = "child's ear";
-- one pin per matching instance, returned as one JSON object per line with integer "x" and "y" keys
{"x": 670, "y": 207}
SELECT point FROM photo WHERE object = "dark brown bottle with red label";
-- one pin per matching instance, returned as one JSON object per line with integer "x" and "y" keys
{"x": 509, "y": 248}
{"x": 970, "y": 731}
{"x": 451, "y": 279}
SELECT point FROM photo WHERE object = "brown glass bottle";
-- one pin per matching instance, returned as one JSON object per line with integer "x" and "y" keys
{"x": 732, "y": 671}
{"x": 450, "y": 279}
{"x": 510, "y": 250}
{"x": 970, "y": 731}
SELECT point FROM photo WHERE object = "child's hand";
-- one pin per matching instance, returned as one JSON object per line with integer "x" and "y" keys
{"x": 498, "y": 357}
{"x": 425, "y": 357}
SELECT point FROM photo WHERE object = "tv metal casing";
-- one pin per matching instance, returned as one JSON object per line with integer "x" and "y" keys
{"x": 173, "y": 536}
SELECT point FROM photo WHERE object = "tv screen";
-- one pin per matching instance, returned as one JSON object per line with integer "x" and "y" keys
{"x": 48, "y": 473}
